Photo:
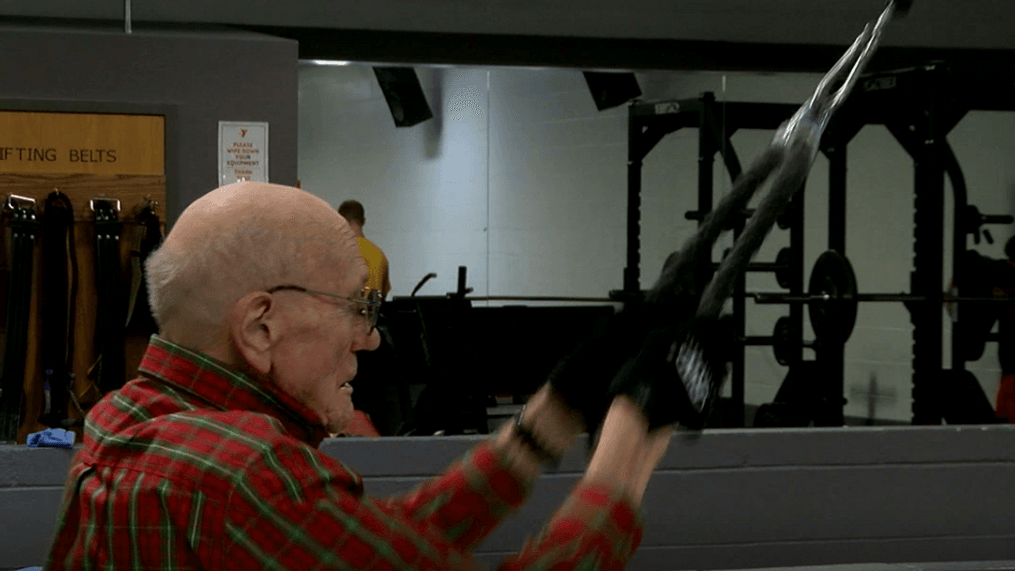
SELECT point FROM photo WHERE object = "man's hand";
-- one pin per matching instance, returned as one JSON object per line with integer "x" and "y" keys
{"x": 627, "y": 452}
{"x": 582, "y": 378}
{"x": 551, "y": 422}
{"x": 678, "y": 372}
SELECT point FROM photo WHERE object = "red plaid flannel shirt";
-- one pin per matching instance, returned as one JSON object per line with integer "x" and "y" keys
{"x": 194, "y": 466}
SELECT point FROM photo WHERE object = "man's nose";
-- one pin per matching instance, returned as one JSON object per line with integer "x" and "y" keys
{"x": 369, "y": 342}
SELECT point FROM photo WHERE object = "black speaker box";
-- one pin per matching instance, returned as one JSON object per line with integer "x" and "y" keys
{"x": 610, "y": 89}
{"x": 404, "y": 95}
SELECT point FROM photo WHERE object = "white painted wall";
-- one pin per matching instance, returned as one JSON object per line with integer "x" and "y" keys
{"x": 424, "y": 188}
{"x": 557, "y": 187}
{"x": 521, "y": 179}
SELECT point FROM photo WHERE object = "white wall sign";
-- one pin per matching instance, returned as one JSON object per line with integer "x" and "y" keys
{"x": 243, "y": 152}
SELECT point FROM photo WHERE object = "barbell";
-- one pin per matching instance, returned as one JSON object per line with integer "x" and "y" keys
{"x": 775, "y": 298}
{"x": 832, "y": 298}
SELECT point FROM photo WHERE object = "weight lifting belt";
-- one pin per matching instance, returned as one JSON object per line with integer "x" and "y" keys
{"x": 108, "y": 371}
{"x": 24, "y": 225}
{"x": 59, "y": 291}
{"x": 146, "y": 241}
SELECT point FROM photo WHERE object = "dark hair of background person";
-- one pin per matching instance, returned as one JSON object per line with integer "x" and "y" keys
{"x": 352, "y": 210}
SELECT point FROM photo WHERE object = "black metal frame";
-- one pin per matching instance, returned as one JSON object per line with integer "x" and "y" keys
{"x": 648, "y": 123}
{"x": 920, "y": 106}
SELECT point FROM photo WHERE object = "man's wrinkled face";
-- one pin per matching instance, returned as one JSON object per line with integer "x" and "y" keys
{"x": 316, "y": 356}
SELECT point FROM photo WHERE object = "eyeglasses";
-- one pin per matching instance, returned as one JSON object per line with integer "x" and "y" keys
{"x": 370, "y": 299}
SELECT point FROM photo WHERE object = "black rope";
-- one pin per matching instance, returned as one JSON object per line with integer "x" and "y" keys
{"x": 679, "y": 279}
{"x": 789, "y": 180}
{"x": 24, "y": 225}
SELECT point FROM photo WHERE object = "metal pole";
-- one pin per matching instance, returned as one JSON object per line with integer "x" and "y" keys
{"x": 833, "y": 356}
{"x": 837, "y": 198}
{"x": 126, "y": 17}
{"x": 796, "y": 246}
{"x": 926, "y": 281}
{"x": 632, "y": 278}
{"x": 707, "y": 148}
{"x": 777, "y": 298}
{"x": 960, "y": 197}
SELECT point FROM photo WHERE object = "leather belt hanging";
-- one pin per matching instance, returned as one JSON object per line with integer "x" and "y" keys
{"x": 24, "y": 225}
{"x": 59, "y": 281}
{"x": 4, "y": 270}
{"x": 146, "y": 240}
{"x": 108, "y": 371}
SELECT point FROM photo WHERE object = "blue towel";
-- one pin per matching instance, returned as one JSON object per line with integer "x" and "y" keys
{"x": 55, "y": 437}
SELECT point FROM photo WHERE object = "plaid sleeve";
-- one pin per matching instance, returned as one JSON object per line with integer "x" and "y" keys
{"x": 468, "y": 501}
{"x": 291, "y": 510}
{"x": 596, "y": 529}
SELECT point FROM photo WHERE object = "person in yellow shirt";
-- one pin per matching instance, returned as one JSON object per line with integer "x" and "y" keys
{"x": 376, "y": 261}
{"x": 376, "y": 383}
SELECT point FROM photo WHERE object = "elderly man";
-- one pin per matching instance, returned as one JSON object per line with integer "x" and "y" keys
{"x": 209, "y": 460}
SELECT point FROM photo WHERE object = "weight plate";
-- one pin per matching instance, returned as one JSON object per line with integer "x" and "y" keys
{"x": 784, "y": 340}
{"x": 833, "y": 319}
{"x": 784, "y": 274}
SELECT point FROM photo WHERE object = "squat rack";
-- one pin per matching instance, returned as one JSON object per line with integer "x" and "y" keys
{"x": 919, "y": 106}
{"x": 648, "y": 124}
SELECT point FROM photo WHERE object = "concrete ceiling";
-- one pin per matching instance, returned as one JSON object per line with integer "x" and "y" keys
{"x": 962, "y": 24}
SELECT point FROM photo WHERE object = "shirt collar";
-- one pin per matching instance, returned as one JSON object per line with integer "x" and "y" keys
{"x": 226, "y": 389}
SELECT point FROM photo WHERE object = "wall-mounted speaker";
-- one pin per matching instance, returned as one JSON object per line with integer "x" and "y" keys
{"x": 610, "y": 89}
{"x": 404, "y": 95}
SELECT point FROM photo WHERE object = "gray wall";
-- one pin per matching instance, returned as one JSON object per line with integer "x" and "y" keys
{"x": 197, "y": 79}
{"x": 732, "y": 499}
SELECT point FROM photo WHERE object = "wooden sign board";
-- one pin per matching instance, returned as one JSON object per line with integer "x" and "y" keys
{"x": 81, "y": 143}
{"x": 85, "y": 156}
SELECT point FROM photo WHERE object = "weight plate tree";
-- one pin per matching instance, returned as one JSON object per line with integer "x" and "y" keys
{"x": 648, "y": 124}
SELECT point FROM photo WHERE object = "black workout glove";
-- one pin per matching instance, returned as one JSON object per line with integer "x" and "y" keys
{"x": 582, "y": 378}
{"x": 678, "y": 373}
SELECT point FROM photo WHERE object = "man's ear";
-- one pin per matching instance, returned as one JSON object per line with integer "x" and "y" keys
{"x": 255, "y": 329}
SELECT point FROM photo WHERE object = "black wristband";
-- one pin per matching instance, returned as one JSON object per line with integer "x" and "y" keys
{"x": 529, "y": 440}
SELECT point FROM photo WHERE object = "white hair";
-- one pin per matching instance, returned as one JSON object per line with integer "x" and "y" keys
{"x": 199, "y": 286}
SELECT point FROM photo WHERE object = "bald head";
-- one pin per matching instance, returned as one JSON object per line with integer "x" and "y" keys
{"x": 280, "y": 210}
{"x": 240, "y": 238}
